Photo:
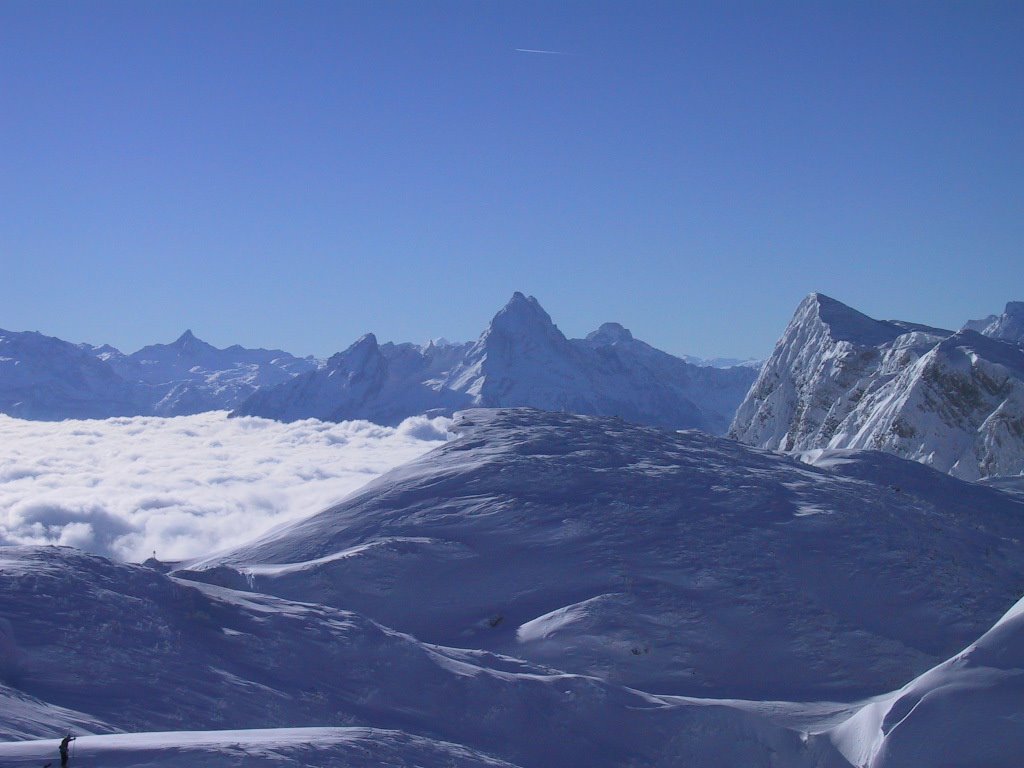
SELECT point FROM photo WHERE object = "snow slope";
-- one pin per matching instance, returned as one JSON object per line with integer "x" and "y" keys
{"x": 676, "y": 563}
{"x": 967, "y": 711}
{"x": 549, "y": 590}
{"x": 522, "y": 359}
{"x": 143, "y": 652}
{"x": 838, "y": 379}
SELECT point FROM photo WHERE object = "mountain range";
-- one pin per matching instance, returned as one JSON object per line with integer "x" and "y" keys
{"x": 45, "y": 378}
{"x": 839, "y": 379}
{"x": 521, "y": 359}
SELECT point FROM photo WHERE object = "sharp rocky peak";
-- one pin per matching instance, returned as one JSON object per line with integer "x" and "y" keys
{"x": 520, "y": 315}
{"x": 358, "y": 353}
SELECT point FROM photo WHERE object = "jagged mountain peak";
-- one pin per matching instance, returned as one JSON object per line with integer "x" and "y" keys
{"x": 521, "y": 315}
{"x": 357, "y": 354}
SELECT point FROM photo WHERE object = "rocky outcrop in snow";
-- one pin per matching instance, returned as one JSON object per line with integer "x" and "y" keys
{"x": 522, "y": 359}
{"x": 839, "y": 379}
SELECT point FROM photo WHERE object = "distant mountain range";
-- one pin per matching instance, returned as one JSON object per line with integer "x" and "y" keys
{"x": 836, "y": 380}
{"x": 839, "y": 379}
{"x": 45, "y": 378}
{"x": 521, "y": 359}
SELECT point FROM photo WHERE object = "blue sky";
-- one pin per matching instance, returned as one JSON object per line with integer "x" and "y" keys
{"x": 294, "y": 174}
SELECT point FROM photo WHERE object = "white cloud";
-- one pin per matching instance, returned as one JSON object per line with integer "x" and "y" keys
{"x": 186, "y": 486}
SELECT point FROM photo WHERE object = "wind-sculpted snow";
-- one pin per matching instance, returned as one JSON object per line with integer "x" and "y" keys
{"x": 966, "y": 711}
{"x": 522, "y": 359}
{"x": 677, "y": 563}
{"x": 186, "y": 486}
{"x": 839, "y": 379}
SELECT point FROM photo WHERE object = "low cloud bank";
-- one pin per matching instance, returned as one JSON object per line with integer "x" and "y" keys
{"x": 186, "y": 486}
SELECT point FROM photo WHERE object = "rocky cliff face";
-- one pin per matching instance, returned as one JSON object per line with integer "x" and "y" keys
{"x": 839, "y": 379}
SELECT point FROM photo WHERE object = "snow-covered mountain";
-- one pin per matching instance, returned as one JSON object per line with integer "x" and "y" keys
{"x": 193, "y": 376}
{"x": 42, "y": 377}
{"x": 672, "y": 562}
{"x": 839, "y": 379}
{"x": 548, "y": 590}
{"x": 522, "y": 359}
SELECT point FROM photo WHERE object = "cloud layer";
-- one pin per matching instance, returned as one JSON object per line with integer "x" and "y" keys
{"x": 186, "y": 486}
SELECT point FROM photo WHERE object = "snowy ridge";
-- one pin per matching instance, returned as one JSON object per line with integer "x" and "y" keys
{"x": 839, "y": 379}
{"x": 42, "y": 377}
{"x": 647, "y": 557}
{"x": 521, "y": 359}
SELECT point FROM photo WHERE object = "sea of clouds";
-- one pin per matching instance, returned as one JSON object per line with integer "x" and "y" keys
{"x": 187, "y": 486}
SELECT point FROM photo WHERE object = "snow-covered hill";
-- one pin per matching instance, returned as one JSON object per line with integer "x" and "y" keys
{"x": 522, "y": 359}
{"x": 839, "y": 379}
{"x": 676, "y": 563}
{"x": 548, "y": 590}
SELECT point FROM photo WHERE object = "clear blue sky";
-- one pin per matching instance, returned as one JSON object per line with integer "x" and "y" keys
{"x": 294, "y": 174}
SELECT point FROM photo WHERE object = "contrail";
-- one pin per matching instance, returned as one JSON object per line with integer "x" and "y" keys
{"x": 536, "y": 50}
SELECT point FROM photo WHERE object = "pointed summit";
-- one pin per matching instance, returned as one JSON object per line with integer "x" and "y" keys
{"x": 186, "y": 339}
{"x": 844, "y": 323}
{"x": 523, "y": 315}
{"x": 521, "y": 305}
{"x": 358, "y": 354}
